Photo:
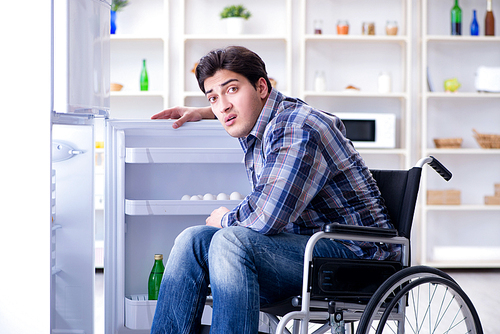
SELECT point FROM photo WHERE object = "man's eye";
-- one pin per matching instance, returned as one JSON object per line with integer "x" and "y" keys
{"x": 232, "y": 89}
{"x": 212, "y": 99}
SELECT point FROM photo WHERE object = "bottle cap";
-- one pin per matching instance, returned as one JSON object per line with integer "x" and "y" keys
{"x": 158, "y": 256}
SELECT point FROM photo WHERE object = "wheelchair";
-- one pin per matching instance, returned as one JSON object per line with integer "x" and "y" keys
{"x": 377, "y": 296}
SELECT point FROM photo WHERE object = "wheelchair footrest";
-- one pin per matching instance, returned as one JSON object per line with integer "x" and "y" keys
{"x": 349, "y": 279}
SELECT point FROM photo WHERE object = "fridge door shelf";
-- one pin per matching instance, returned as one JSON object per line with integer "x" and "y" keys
{"x": 178, "y": 207}
{"x": 139, "y": 312}
{"x": 183, "y": 155}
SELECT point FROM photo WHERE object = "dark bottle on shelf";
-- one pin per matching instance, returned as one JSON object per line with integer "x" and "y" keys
{"x": 144, "y": 76}
{"x": 474, "y": 26}
{"x": 155, "y": 277}
{"x": 489, "y": 21}
{"x": 456, "y": 19}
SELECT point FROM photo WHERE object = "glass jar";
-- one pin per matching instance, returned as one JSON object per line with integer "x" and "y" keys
{"x": 368, "y": 28}
{"x": 391, "y": 28}
{"x": 320, "y": 81}
{"x": 342, "y": 27}
{"x": 318, "y": 27}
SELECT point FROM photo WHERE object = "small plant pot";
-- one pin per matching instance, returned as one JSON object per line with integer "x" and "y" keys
{"x": 234, "y": 25}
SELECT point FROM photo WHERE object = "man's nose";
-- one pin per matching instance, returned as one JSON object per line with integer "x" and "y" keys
{"x": 225, "y": 104}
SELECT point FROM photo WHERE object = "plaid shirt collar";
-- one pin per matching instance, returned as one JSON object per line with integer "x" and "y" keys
{"x": 267, "y": 114}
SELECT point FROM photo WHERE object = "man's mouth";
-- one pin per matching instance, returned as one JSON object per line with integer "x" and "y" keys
{"x": 230, "y": 119}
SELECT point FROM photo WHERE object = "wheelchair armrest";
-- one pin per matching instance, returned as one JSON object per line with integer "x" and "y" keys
{"x": 360, "y": 230}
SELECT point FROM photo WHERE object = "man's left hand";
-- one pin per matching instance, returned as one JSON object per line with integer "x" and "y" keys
{"x": 216, "y": 216}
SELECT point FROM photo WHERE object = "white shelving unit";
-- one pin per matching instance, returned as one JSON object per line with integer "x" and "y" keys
{"x": 203, "y": 30}
{"x": 458, "y": 235}
{"x": 357, "y": 59}
{"x": 142, "y": 33}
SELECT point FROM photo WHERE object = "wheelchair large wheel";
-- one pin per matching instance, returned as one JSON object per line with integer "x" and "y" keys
{"x": 420, "y": 300}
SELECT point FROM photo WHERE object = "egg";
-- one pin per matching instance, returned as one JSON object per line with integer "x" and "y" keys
{"x": 235, "y": 196}
{"x": 222, "y": 197}
{"x": 185, "y": 198}
{"x": 209, "y": 197}
{"x": 195, "y": 198}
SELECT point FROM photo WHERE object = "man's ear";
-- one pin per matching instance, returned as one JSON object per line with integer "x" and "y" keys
{"x": 262, "y": 87}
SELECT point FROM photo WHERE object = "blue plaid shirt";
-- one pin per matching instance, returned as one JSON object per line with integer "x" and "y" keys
{"x": 305, "y": 174}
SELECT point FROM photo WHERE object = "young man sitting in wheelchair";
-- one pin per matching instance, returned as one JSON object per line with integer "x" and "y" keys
{"x": 304, "y": 174}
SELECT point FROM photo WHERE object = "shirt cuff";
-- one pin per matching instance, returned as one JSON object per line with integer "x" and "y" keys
{"x": 224, "y": 222}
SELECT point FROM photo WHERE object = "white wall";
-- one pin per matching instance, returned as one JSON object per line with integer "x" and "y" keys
{"x": 25, "y": 180}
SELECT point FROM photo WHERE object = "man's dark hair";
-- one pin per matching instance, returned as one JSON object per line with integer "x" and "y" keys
{"x": 232, "y": 58}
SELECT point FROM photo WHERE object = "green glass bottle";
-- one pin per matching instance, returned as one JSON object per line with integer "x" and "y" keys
{"x": 456, "y": 19}
{"x": 144, "y": 77}
{"x": 155, "y": 277}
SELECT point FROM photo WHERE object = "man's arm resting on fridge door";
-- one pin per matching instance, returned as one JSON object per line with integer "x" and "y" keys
{"x": 185, "y": 114}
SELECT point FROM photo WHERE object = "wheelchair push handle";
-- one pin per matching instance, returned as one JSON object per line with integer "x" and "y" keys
{"x": 437, "y": 166}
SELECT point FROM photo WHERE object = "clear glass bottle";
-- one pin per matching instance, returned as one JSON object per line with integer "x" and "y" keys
{"x": 489, "y": 21}
{"x": 144, "y": 77}
{"x": 384, "y": 83}
{"x": 456, "y": 19}
{"x": 318, "y": 27}
{"x": 474, "y": 26}
{"x": 155, "y": 277}
{"x": 320, "y": 81}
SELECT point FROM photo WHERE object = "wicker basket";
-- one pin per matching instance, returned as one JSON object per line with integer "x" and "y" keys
{"x": 116, "y": 87}
{"x": 448, "y": 142}
{"x": 487, "y": 140}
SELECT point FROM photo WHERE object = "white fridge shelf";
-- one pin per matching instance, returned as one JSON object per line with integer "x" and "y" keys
{"x": 175, "y": 207}
{"x": 183, "y": 155}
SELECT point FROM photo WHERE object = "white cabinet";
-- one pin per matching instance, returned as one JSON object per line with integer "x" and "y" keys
{"x": 142, "y": 33}
{"x": 464, "y": 235}
{"x": 357, "y": 60}
{"x": 267, "y": 32}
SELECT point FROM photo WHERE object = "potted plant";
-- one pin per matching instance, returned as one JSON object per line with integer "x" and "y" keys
{"x": 234, "y": 16}
{"x": 116, "y": 6}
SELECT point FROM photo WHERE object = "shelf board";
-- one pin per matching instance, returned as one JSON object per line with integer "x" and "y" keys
{"x": 459, "y": 39}
{"x": 137, "y": 93}
{"x": 393, "y": 151}
{"x": 355, "y": 94}
{"x": 356, "y": 38}
{"x": 256, "y": 37}
{"x": 175, "y": 207}
{"x": 461, "y": 151}
{"x": 136, "y": 37}
{"x": 183, "y": 155}
{"x": 462, "y": 207}
{"x": 459, "y": 95}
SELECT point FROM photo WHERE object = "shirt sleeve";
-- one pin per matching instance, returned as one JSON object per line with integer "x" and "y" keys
{"x": 294, "y": 172}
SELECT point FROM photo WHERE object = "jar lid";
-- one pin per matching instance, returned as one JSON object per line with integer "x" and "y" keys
{"x": 158, "y": 256}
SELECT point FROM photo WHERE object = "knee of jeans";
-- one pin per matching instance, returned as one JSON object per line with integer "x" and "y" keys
{"x": 230, "y": 237}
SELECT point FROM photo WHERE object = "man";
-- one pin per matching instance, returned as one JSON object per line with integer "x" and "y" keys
{"x": 304, "y": 174}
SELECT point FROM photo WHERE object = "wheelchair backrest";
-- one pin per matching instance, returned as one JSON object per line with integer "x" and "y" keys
{"x": 399, "y": 189}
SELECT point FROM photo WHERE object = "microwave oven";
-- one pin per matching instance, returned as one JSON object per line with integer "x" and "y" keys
{"x": 370, "y": 130}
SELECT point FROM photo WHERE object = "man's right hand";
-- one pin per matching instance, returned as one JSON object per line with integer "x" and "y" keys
{"x": 184, "y": 114}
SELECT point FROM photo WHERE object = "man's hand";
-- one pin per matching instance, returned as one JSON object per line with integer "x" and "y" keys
{"x": 216, "y": 217}
{"x": 184, "y": 114}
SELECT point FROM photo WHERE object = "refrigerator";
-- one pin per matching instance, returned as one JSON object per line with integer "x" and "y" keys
{"x": 80, "y": 99}
{"x": 150, "y": 170}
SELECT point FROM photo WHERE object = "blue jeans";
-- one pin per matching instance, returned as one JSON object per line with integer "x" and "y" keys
{"x": 245, "y": 270}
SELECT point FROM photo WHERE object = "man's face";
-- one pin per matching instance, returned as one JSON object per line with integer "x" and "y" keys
{"x": 235, "y": 102}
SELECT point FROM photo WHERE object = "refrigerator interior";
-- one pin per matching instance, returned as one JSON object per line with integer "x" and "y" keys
{"x": 150, "y": 167}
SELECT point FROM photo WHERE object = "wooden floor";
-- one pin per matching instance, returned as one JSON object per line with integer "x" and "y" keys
{"x": 482, "y": 287}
